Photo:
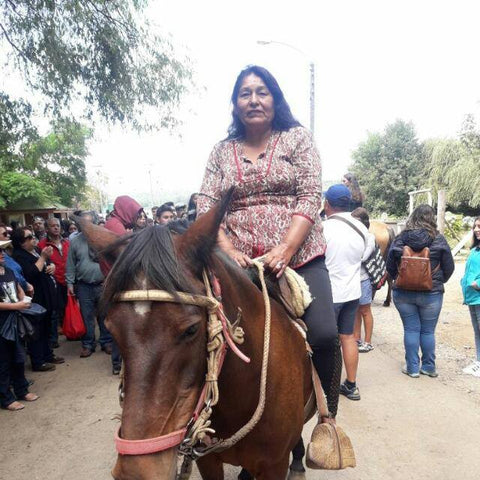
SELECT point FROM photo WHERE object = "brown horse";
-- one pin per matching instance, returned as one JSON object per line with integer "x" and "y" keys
{"x": 164, "y": 349}
{"x": 384, "y": 236}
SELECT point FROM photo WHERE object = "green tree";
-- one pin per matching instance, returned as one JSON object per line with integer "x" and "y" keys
{"x": 51, "y": 167}
{"x": 387, "y": 166}
{"x": 453, "y": 164}
{"x": 103, "y": 53}
{"x": 19, "y": 186}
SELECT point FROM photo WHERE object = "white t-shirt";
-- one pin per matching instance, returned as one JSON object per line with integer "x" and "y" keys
{"x": 344, "y": 255}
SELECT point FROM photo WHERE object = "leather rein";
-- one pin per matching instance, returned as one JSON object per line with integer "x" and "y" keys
{"x": 221, "y": 335}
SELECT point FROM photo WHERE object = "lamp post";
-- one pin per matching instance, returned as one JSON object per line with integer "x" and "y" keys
{"x": 312, "y": 77}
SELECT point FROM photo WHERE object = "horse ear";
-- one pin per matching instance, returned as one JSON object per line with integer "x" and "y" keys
{"x": 198, "y": 242}
{"x": 99, "y": 238}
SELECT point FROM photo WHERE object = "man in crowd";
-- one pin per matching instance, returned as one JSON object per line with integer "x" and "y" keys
{"x": 84, "y": 276}
{"x": 347, "y": 247}
{"x": 59, "y": 258}
{"x": 165, "y": 214}
{"x": 38, "y": 227}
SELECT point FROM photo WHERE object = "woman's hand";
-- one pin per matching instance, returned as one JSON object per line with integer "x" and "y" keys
{"x": 278, "y": 258}
{"x": 47, "y": 252}
{"x": 50, "y": 270}
{"x": 22, "y": 305}
{"x": 238, "y": 257}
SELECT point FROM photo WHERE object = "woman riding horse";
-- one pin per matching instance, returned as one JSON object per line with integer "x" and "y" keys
{"x": 273, "y": 163}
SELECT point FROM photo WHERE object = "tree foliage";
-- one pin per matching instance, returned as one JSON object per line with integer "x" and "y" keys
{"x": 387, "y": 166}
{"x": 453, "y": 164}
{"x": 41, "y": 168}
{"x": 102, "y": 52}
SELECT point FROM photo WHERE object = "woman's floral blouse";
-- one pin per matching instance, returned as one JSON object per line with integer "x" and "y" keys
{"x": 284, "y": 181}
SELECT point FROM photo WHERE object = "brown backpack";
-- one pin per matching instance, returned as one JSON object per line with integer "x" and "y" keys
{"x": 414, "y": 272}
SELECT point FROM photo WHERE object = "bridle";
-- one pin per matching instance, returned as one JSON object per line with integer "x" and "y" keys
{"x": 221, "y": 335}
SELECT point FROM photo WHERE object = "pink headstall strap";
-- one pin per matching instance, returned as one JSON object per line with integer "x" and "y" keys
{"x": 148, "y": 445}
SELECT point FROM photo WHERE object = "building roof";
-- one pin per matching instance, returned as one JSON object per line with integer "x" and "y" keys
{"x": 27, "y": 205}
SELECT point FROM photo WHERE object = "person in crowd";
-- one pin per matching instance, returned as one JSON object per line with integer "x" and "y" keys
{"x": 141, "y": 222}
{"x": 274, "y": 165}
{"x": 350, "y": 181}
{"x": 471, "y": 294}
{"x": 85, "y": 279}
{"x": 192, "y": 207}
{"x": 180, "y": 210}
{"x": 165, "y": 214}
{"x": 12, "y": 264}
{"x": 364, "y": 313}
{"x": 419, "y": 310}
{"x": 59, "y": 258}
{"x": 72, "y": 231}
{"x": 39, "y": 271}
{"x": 154, "y": 212}
{"x": 124, "y": 215}
{"x": 12, "y": 352}
{"x": 38, "y": 226}
{"x": 348, "y": 244}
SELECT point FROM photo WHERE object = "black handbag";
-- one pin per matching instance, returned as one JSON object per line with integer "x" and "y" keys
{"x": 25, "y": 328}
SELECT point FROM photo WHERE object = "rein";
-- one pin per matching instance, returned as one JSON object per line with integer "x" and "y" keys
{"x": 221, "y": 333}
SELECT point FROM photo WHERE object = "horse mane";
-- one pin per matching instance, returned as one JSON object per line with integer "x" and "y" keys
{"x": 151, "y": 253}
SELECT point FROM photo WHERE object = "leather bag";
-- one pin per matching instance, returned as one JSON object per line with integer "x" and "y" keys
{"x": 414, "y": 271}
{"x": 329, "y": 447}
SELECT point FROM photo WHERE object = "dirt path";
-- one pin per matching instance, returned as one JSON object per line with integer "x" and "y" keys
{"x": 402, "y": 428}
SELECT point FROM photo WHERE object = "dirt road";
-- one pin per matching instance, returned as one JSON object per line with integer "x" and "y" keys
{"x": 402, "y": 428}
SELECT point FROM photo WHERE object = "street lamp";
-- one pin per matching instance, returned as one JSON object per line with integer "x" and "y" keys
{"x": 312, "y": 77}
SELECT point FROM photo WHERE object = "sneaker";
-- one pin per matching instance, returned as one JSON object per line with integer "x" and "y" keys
{"x": 406, "y": 372}
{"x": 350, "y": 393}
{"x": 473, "y": 369}
{"x": 365, "y": 347}
{"x": 116, "y": 369}
{"x": 433, "y": 374}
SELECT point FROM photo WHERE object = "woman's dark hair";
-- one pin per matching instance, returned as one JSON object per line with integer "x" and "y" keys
{"x": 476, "y": 241}
{"x": 283, "y": 119}
{"x": 423, "y": 217}
{"x": 354, "y": 187}
{"x": 18, "y": 236}
{"x": 192, "y": 207}
{"x": 361, "y": 214}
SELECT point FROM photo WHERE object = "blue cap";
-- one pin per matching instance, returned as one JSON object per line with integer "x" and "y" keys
{"x": 339, "y": 196}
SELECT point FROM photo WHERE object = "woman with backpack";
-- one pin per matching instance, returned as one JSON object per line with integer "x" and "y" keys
{"x": 420, "y": 262}
{"x": 471, "y": 294}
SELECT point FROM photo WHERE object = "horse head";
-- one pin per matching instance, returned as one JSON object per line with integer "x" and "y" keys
{"x": 163, "y": 344}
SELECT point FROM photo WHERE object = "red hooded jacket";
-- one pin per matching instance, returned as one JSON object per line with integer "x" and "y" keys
{"x": 124, "y": 214}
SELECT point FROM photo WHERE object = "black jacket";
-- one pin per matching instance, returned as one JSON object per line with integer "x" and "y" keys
{"x": 440, "y": 254}
{"x": 44, "y": 285}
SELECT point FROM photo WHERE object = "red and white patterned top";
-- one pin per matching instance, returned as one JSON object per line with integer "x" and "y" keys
{"x": 284, "y": 181}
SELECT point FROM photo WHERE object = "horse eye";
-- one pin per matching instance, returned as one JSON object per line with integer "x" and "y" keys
{"x": 190, "y": 331}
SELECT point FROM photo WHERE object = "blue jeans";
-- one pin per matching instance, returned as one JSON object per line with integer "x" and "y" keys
{"x": 88, "y": 297}
{"x": 475, "y": 316}
{"x": 419, "y": 312}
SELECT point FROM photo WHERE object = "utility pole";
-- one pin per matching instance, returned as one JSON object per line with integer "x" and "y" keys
{"x": 312, "y": 77}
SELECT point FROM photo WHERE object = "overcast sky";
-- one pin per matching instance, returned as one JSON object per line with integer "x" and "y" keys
{"x": 375, "y": 60}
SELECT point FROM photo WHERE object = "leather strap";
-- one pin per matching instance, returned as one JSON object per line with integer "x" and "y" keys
{"x": 344, "y": 220}
{"x": 148, "y": 445}
{"x": 319, "y": 393}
